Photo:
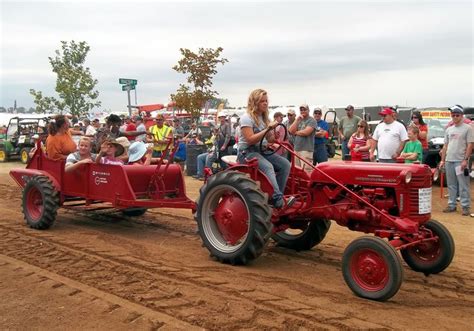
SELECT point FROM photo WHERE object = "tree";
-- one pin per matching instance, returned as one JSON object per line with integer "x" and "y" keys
{"x": 74, "y": 84}
{"x": 200, "y": 68}
{"x": 215, "y": 102}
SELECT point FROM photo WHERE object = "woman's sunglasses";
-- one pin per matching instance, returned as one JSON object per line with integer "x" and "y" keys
{"x": 455, "y": 115}
{"x": 361, "y": 126}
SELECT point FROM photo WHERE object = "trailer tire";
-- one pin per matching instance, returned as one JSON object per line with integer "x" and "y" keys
{"x": 312, "y": 233}
{"x": 134, "y": 212}
{"x": 233, "y": 217}
{"x": 431, "y": 257}
{"x": 40, "y": 202}
{"x": 372, "y": 268}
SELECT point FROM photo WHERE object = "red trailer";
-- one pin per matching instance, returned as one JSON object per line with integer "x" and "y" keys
{"x": 131, "y": 189}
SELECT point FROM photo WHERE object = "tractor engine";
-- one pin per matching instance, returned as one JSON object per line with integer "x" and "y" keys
{"x": 400, "y": 190}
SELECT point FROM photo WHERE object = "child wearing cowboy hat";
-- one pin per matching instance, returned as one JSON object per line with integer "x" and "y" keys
{"x": 109, "y": 151}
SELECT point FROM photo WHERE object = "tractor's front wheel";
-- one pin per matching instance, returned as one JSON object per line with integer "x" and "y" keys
{"x": 233, "y": 217}
{"x": 25, "y": 155}
{"x": 431, "y": 257}
{"x": 372, "y": 268}
{"x": 40, "y": 202}
{"x": 303, "y": 236}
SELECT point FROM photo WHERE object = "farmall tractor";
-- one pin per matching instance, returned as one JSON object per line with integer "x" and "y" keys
{"x": 236, "y": 221}
{"x": 391, "y": 201}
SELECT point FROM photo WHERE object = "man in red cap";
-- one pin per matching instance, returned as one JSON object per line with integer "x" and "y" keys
{"x": 389, "y": 138}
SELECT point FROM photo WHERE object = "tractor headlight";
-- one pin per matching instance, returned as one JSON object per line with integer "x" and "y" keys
{"x": 435, "y": 174}
{"x": 408, "y": 177}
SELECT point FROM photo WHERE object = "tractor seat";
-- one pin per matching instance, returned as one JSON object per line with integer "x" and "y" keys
{"x": 230, "y": 159}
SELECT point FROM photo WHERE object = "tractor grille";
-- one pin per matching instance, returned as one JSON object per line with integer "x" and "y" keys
{"x": 419, "y": 208}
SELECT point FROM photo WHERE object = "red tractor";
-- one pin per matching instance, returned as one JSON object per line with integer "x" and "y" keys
{"x": 391, "y": 201}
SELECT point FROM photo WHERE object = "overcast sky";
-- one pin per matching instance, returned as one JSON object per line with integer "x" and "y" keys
{"x": 415, "y": 53}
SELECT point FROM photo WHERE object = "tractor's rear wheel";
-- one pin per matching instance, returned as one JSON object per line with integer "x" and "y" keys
{"x": 25, "y": 155}
{"x": 372, "y": 268}
{"x": 134, "y": 211}
{"x": 431, "y": 257}
{"x": 233, "y": 217}
{"x": 40, "y": 202}
{"x": 303, "y": 236}
{"x": 3, "y": 155}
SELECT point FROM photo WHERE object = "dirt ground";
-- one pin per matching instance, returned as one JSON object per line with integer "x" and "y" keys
{"x": 111, "y": 272}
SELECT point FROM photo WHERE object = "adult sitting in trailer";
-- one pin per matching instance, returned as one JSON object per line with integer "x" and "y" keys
{"x": 59, "y": 143}
{"x": 82, "y": 156}
{"x": 112, "y": 130}
{"x": 109, "y": 151}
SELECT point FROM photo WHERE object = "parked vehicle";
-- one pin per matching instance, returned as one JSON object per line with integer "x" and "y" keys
{"x": 19, "y": 137}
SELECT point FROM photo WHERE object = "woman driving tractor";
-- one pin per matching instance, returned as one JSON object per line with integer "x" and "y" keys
{"x": 253, "y": 128}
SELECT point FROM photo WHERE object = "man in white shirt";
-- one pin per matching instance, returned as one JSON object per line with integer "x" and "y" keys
{"x": 140, "y": 128}
{"x": 389, "y": 138}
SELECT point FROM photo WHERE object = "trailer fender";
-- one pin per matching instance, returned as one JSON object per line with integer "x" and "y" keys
{"x": 21, "y": 176}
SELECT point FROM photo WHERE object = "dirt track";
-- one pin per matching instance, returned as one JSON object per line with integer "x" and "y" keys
{"x": 151, "y": 272}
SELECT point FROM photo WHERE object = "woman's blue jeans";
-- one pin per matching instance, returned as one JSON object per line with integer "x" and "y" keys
{"x": 275, "y": 167}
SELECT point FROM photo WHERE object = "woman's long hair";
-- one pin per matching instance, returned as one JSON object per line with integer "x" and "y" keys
{"x": 366, "y": 128}
{"x": 53, "y": 127}
{"x": 420, "y": 117}
{"x": 252, "y": 106}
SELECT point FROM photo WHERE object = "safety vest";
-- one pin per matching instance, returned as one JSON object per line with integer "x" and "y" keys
{"x": 160, "y": 134}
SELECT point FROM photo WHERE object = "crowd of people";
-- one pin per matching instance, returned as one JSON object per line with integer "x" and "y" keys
{"x": 128, "y": 140}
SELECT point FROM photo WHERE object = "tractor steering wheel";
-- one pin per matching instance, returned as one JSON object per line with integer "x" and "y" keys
{"x": 269, "y": 152}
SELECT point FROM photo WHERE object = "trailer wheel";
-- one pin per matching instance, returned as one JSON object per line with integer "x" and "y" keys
{"x": 134, "y": 211}
{"x": 25, "y": 155}
{"x": 372, "y": 268}
{"x": 303, "y": 237}
{"x": 431, "y": 257}
{"x": 3, "y": 155}
{"x": 233, "y": 217}
{"x": 40, "y": 202}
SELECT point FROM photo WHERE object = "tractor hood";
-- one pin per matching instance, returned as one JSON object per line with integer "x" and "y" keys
{"x": 371, "y": 173}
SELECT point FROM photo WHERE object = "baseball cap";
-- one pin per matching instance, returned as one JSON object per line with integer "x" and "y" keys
{"x": 350, "y": 107}
{"x": 159, "y": 117}
{"x": 457, "y": 109}
{"x": 317, "y": 110}
{"x": 305, "y": 106}
{"x": 291, "y": 111}
{"x": 387, "y": 111}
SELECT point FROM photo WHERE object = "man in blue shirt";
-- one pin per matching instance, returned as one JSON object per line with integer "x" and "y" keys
{"x": 320, "y": 153}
